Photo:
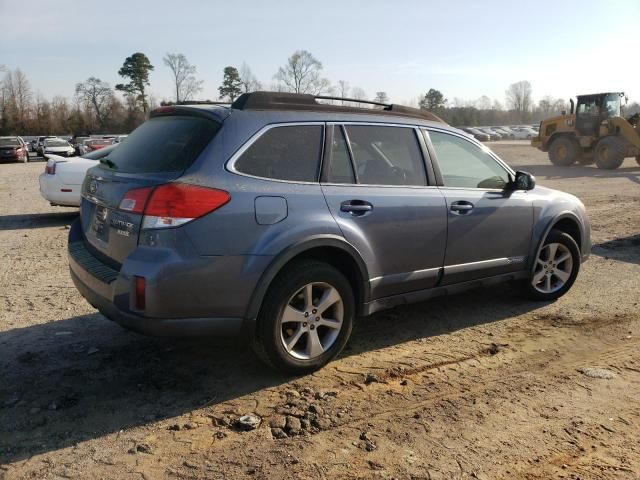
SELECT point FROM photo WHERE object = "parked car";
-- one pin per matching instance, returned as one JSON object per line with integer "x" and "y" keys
{"x": 493, "y": 136}
{"x": 524, "y": 133}
{"x": 281, "y": 219}
{"x": 40, "y": 144}
{"x": 57, "y": 146}
{"x": 77, "y": 142}
{"x": 94, "y": 144}
{"x": 504, "y": 132}
{"x": 62, "y": 177}
{"x": 13, "y": 149}
{"x": 119, "y": 138}
{"x": 477, "y": 134}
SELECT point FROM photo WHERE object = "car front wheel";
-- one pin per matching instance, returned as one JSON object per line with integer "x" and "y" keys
{"x": 556, "y": 267}
{"x": 306, "y": 318}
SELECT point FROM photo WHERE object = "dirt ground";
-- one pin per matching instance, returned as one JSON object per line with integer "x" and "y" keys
{"x": 482, "y": 385}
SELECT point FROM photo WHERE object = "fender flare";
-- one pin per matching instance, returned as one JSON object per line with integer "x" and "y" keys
{"x": 554, "y": 221}
{"x": 294, "y": 250}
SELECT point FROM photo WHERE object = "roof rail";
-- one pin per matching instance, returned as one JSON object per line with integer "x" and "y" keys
{"x": 304, "y": 101}
{"x": 193, "y": 102}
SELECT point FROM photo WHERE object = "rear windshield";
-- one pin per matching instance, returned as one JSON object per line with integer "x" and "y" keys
{"x": 56, "y": 143}
{"x": 9, "y": 142}
{"x": 162, "y": 144}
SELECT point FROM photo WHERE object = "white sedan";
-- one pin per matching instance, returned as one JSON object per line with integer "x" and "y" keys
{"x": 524, "y": 133}
{"x": 62, "y": 179}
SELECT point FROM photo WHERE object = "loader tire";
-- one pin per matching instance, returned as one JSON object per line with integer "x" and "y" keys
{"x": 563, "y": 151}
{"x": 609, "y": 153}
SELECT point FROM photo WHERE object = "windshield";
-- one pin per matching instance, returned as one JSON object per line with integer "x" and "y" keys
{"x": 162, "y": 144}
{"x": 56, "y": 143}
{"x": 9, "y": 142}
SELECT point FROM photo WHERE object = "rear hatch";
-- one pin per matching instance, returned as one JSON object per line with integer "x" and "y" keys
{"x": 115, "y": 191}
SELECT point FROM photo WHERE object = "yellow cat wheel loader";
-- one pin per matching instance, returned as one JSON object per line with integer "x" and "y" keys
{"x": 595, "y": 133}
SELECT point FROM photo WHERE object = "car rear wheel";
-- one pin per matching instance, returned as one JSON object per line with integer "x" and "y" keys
{"x": 306, "y": 318}
{"x": 638, "y": 159}
{"x": 563, "y": 151}
{"x": 556, "y": 267}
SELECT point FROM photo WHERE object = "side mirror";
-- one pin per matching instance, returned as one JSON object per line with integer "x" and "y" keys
{"x": 523, "y": 181}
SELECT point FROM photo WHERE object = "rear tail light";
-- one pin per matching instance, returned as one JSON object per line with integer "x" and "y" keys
{"x": 172, "y": 204}
{"x": 140, "y": 285}
{"x": 50, "y": 167}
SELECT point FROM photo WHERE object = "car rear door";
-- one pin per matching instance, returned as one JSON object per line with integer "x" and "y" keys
{"x": 489, "y": 226}
{"x": 376, "y": 185}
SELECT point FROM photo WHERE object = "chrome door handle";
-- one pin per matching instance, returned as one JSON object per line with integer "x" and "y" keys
{"x": 356, "y": 207}
{"x": 461, "y": 208}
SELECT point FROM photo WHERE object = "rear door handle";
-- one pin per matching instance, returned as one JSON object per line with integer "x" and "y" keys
{"x": 356, "y": 207}
{"x": 461, "y": 208}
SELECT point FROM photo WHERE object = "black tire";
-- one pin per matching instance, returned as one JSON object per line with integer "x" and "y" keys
{"x": 638, "y": 159}
{"x": 609, "y": 153}
{"x": 268, "y": 344}
{"x": 563, "y": 151}
{"x": 555, "y": 236}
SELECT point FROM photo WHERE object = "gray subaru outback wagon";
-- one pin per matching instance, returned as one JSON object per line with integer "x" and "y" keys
{"x": 281, "y": 218}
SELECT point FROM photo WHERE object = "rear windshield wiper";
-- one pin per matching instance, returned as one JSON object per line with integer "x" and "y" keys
{"x": 109, "y": 163}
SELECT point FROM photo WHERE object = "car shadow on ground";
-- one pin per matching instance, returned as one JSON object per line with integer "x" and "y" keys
{"x": 66, "y": 381}
{"x": 623, "y": 249}
{"x": 581, "y": 171}
{"x": 37, "y": 220}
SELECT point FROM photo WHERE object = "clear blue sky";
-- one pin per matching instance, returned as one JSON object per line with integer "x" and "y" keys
{"x": 463, "y": 48}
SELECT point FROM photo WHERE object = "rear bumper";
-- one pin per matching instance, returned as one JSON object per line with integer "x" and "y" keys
{"x": 109, "y": 291}
{"x": 50, "y": 189}
{"x": 178, "y": 327}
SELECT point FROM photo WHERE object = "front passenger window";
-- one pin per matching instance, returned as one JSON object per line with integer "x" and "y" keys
{"x": 464, "y": 164}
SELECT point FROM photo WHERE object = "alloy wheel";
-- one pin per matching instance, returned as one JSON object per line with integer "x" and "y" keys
{"x": 553, "y": 268}
{"x": 311, "y": 320}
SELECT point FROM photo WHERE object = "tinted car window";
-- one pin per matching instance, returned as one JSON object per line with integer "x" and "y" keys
{"x": 464, "y": 164}
{"x": 284, "y": 153}
{"x": 386, "y": 155}
{"x": 340, "y": 168}
{"x": 163, "y": 144}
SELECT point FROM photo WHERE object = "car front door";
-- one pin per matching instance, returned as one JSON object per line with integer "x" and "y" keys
{"x": 377, "y": 189}
{"x": 489, "y": 226}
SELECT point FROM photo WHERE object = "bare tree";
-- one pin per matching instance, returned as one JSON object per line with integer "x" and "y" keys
{"x": 343, "y": 89}
{"x": 381, "y": 97}
{"x": 483, "y": 103}
{"x": 519, "y": 97}
{"x": 186, "y": 84}
{"x": 549, "y": 105}
{"x": 248, "y": 81}
{"x": 16, "y": 95}
{"x": 359, "y": 93}
{"x": 302, "y": 74}
{"x": 96, "y": 94}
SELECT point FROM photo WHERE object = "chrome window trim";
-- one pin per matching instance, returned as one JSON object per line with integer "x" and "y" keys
{"x": 379, "y": 124}
{"x": 231, "y": 167}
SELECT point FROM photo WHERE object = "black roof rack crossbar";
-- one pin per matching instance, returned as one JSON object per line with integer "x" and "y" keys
{"x": 352, "y": 100}
{"x": 304, "y": 101}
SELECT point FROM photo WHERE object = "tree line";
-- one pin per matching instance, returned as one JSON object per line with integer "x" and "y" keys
{"x": 95, "y": 107}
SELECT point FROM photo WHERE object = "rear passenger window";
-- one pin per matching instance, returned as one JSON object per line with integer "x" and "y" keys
{"x": 386, "y": 155}
{"x": 340, "y": 169}
{"x": 284, "y": 153}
